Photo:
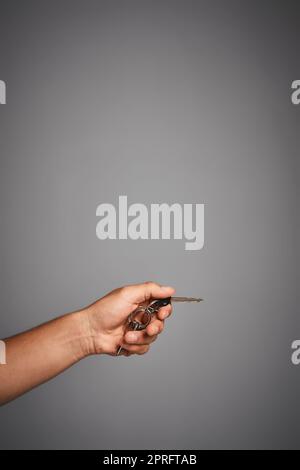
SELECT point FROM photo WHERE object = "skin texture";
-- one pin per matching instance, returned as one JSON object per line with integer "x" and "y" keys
{"x": 38, "y": 355}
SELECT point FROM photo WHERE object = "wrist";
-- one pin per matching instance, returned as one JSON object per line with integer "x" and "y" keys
{"x": 85, "y": 340}
{"x": 91, "y": 340}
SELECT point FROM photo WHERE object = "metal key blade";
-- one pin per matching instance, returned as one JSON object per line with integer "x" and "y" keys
{"x": 186, "y": 299}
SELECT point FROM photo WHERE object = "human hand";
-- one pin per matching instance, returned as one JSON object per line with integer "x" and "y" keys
{"x": 106, "y": 319}
{"x": 42, "y": 353}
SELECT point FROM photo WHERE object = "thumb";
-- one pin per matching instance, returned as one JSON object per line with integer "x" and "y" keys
{"x": 140, "y": 292}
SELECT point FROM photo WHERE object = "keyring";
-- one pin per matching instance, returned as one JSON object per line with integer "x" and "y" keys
{"x": 134, "y": 324}
{"x": 149, "y": 311}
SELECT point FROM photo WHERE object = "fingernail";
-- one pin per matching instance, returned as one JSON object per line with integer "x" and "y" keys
{"x": 132, "y": 337}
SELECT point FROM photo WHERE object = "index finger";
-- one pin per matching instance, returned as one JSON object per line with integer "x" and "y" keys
{"x": 137, "y": 293}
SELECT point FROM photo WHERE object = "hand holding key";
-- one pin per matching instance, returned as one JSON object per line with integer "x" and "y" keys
{"x": 39, "y": 354}
{"x": 141, "y": 317}
{"x": 108, "y": 318}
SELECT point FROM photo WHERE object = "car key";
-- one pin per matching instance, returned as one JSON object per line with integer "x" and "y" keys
{"x": 146, "y": 313}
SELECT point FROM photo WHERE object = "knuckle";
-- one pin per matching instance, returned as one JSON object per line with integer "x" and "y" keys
{"x": 149, "y": 284}
{"x": 123, "y": 289}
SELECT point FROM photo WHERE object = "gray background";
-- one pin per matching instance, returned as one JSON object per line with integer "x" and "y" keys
{"x": 164, "y": 101}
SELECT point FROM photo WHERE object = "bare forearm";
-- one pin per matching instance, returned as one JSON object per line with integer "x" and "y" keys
{"x": 38, "y": 355}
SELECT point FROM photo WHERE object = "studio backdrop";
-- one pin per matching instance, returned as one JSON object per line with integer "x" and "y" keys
{"x": 164, "y": 102}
